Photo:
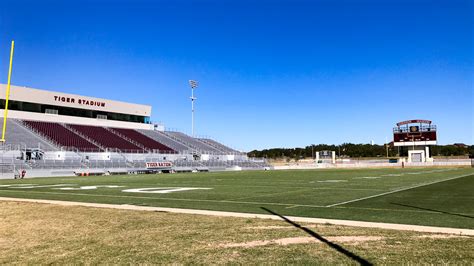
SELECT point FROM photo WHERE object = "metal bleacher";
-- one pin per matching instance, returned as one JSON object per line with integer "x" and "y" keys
{"x": 105, "y": 138}
{"x": 20, "y": 136}
{"x": 147, "y": 142}
{"x": 56, "y": 149}
{"x": 218, "y": 145}
{"x": 61, "y": 135}
{"x": 192, "y": 142}
{"x": 166, "y": 140}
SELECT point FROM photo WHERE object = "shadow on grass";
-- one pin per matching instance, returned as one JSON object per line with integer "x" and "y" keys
{"x": 335, "y": 246}
{"x": 433, "y": 210}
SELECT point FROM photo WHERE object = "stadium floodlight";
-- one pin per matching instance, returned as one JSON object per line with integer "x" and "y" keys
{"x": 194, "y": 84}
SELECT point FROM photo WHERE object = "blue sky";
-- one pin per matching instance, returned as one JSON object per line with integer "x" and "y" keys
{"x": 271, "y": 73}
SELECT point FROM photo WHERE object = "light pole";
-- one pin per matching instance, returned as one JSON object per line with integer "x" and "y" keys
{"x": 193, "y": 84}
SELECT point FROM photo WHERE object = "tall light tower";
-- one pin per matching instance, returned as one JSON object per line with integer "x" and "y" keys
{"x": 194, "y": 84}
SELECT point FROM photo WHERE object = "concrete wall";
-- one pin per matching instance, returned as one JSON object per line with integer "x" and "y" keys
{"x": 466, "y": 162}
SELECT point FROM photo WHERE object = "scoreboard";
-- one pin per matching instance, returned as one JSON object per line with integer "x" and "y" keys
{"x": 414, "y": 132}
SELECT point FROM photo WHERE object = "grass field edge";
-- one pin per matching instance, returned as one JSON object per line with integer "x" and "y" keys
{"x": 391, "y": 226}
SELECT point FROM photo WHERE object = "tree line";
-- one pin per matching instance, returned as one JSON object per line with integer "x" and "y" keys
{"x": 359, "y": 150}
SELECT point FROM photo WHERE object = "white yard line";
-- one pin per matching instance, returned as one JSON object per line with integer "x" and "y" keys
{"x": 407, "y": 227}
{"x": 163, "y": 198}
{"x": 397, "y": 190}
{"x": 289, "y": 205}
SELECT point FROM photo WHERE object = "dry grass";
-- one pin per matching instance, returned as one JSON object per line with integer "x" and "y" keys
{"x": 33, "y": 233}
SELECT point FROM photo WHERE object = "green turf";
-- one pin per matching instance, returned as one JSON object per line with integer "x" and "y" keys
{"x": 449, "y": 201}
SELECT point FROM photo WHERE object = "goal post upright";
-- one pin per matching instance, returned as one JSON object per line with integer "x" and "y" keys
{"x": 5, "y": 114}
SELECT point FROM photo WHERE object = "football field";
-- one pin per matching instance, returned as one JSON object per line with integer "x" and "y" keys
{"x": 425, "y": 196}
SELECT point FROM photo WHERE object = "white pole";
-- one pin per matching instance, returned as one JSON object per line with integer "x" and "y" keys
{"x": 192, "y": 111}
{"x": 193, "y": 85}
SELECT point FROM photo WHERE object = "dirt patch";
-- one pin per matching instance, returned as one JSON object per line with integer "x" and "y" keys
{"x": 301, "y": 240}
{"x": 355, "y": 239}
{"x": 270, "y": 227}
{"x": 441, "y": 236}
{"x": 3, "y": 243}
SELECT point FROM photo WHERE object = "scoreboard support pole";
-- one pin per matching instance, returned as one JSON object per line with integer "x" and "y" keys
{"x": 8, "y": 93}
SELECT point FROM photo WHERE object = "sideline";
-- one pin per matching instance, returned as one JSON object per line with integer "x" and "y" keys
{"x": 406, "y": 227}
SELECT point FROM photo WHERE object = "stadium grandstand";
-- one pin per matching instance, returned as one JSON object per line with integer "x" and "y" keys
{"x": 58, "y": 134}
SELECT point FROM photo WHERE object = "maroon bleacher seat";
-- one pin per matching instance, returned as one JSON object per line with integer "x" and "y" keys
{"x": 145, "y": 141}
{"x": 106, "y": 138}
{"x": 61, "y": 136}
